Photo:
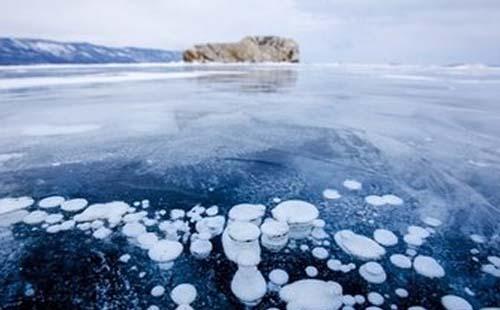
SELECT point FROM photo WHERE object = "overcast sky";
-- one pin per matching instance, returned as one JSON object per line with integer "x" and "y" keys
{"x": 364, "y": 31}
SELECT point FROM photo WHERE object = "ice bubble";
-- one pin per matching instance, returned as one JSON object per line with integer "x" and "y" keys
{"x": 67, "y": 225}
{"x": 12, "y": 204}
{"x": 157, "y": 291}
{"x": 102, "y": 233}
{"x": 413, "y": 240}
{"x": 247, "y": 212}
{"x": 358, "y": 245}
{"x": 147, "y": 240}
{"x": 311, "y": 271}
{"x": 495, "y": 260}
{"x": 352, "y": 185}
{"x": 416, "y": 308}
{"x": 428, "y": 267}
{"x": 320, "y": 253}
{"x": 240, "y": 236}
{"x": 375, "y": 200}
{"x": 418, "y": 231}
{"x": 74, "y": 205}
{"x": 153, "y": 307}
{"x": 334, "y": 264}
{"x": 312, "y": 294}
{"x": 278, "y": 277}
{"x": 491, "y": 269}
{"x": 134, "y": 217}
{"x": 183, "y": 294}
{"x": 212, "y": 211}
{"x": 385, "y": 237}
{"x": 124, "y": 258}
{"x": 401, "y": 292}
{"x": 35, "y": 217}
{"x": 83, "y": 226}
{"x": 176, "y": 214}
{"x": 12, "y": 217}
{"x": 331, "y": 194}
{"x": 400, "y": 261}
{"x": 200, "y": 248}
{"x": 360, "y": 299}
{"x": 392, "y": 200}
{"x": 54, "y": 218}
{"x": 375, "y": 298}
{"x": 373, "y": 272}
{"x": 96, "y": 224}
{"x": 274, "y": 234}
{"x": 373, "y": 308}
{"x": 51, "y": 202}
{"x": 452, "y": 302}
{"x": 111, "y": 211}
{"x": 213, "y": 225}
{"x": 348, "y": 300}
{"x": 431, "y": 221}
{"x": 133, "y": 230}
{"x": 478, "y": 238}
{"x": 165, "y": 251}
{"x": 298, "y": 214}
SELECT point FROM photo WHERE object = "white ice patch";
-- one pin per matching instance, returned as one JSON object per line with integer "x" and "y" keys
{"x": 56, "y": 130}
{"x": 320, "y": 253}
{"x": 312, "y": 294}
{"x": 183, "y": 294}
{"x": 51, "y": 202}
{"x": 74, "y": 205}
{"x": 401, "y": 261}
{"x": 401, "y": 292}
{"x": 54, "y": 218}
{"x": 111, "y": 211}
{"x": 35, "y": 217}
{"x": 331, "y": 194}
{"x": 385, "y": 237}
{"x": 311, "y": 271}
{"x": 352, "y": 185}
{"x": 358, "y": 245}
{"x": 295, "y": 212}
{"x": 278, "y": 277}
{"x": 375, "y": 298}
{"x": 452, "y": 302}
{"x": 431, "y": 221}
{"x": 102, "y": 233}
{"x": 157, "y": 291}
{"x": 373, "y": 272}
{"x": 478, "y": 238}
{"x": 247, "y": 212}
{"x": 165, "y": 251}
{"x": 375, "y": 200}
{"x": 389, "y": 199}
{"x": 12, "y": 204}
{"x": 133, "y": 230}
{"x": 428, "y": 267}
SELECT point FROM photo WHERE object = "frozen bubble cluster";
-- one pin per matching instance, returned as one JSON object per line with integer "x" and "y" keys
{"x": 249, "y": 233}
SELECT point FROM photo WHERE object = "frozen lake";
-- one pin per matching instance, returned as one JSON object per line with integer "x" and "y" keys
{"x": 182, "y": 135}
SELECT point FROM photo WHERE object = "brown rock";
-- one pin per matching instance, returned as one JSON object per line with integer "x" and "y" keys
{"x": 249, "y": 49}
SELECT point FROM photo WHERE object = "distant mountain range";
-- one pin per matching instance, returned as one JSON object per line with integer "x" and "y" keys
{"x": 15, "y": 51}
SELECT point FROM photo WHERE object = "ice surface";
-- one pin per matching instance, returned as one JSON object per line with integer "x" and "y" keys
{"x": 358, "y": 245}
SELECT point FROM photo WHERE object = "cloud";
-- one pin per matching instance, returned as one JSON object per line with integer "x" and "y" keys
{"x": 410, "y": 31}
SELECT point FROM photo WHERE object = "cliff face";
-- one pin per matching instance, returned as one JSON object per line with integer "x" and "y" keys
{"x": 249, "y": 49}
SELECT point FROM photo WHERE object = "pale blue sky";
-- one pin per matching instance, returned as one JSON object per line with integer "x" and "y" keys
{"x": 363, "y": 31}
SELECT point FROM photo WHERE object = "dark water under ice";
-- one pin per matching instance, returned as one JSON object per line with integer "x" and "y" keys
{"x": 222, "y": 135}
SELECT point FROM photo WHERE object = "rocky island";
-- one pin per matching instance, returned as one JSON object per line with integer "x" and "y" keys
{"x": 249, "y": 49}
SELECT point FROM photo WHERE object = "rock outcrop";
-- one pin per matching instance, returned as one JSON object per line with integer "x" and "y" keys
{"x": 249, "y": 49}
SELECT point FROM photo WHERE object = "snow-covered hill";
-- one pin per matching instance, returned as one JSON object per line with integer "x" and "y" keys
{"x": 36, "y": 51}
